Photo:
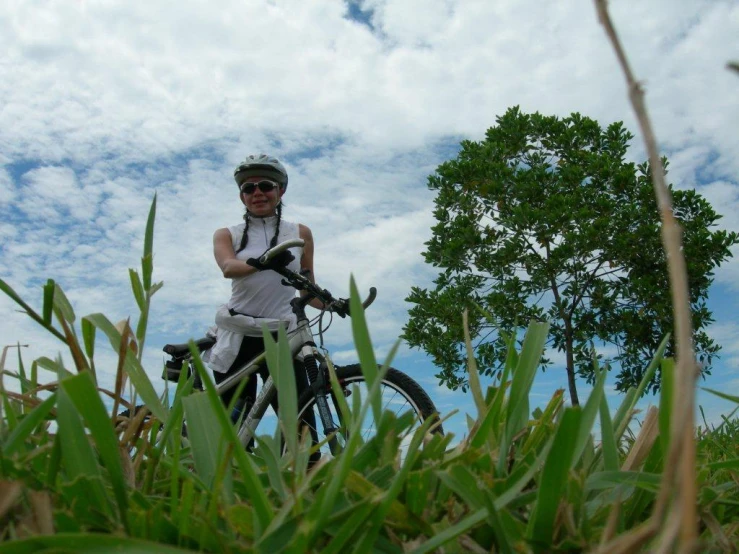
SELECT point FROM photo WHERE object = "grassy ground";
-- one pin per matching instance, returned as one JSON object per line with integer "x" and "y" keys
{"x": 75, "y": 476}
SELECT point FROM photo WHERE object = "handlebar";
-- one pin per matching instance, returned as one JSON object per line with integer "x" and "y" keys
{"x": 278, "y": 249}
{"x": 301, "y": 282}
{"x": 370, "y": 298}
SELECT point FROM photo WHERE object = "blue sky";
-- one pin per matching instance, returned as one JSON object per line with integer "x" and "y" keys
{"x": 103, "y": 104}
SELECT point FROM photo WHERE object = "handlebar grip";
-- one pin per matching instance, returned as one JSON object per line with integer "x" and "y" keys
{"x": 344, "y": 303}
{"x": 272, "y": 252}
{"x": 370, "y": 298}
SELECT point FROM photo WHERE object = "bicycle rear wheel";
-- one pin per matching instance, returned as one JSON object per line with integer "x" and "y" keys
{"x": 399, "y": 393}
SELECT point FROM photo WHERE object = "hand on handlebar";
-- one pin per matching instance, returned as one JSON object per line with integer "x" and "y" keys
{"x": 278, "y": 262}
{"x": 340, "y": 307}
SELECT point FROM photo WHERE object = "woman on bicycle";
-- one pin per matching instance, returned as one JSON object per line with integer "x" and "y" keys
{"x": 258, "y": 297}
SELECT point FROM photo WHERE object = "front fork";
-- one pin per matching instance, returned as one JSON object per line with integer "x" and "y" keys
{"x": 318, "y": 384}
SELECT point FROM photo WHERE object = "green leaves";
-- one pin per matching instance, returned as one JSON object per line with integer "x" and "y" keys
{"x": 84, "y": 543}
{"x": 83, "y": 394}
{"x": 208, "y": 447}
{"x": 43, "y": 320}
{"x": 27, "y": 425}
{"x": 554, "y": 478}
{"x": 280, "y": 363}
{"x": 132, "y": 365}
{"x": 144, "y": 290}
{"x": 540, "y": 221}
{"x": 79, "y": 458}
{"x": 521, "y": 481}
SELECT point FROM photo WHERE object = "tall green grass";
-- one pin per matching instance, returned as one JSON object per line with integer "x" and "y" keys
{"x": 76, "y": 476}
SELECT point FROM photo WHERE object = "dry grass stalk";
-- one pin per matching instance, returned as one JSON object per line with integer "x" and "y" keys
{"x": 679, "y": 473}
{"x": 129, "y": 472}
{"x": 124, "y": 329}
{"x": 721, "y": 538}
{"x": 626, "y": 543}
{"x": 469, "y": 545}
{"x": 611, "y": 525}
{"x": 134, "y": 426}
{"x": 41, "y": 508}
{"x": 644, "y": 441}
{"x": 10, "y": 493}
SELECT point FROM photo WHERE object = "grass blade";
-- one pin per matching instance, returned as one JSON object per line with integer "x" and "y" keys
{"x": 147, "y": 261}
{"x": 320, "y": 510}
{"x": 609, "y": 447}
{"x": 77, "y": 453}
{"x": 8, "y": 290}
{"x": 589, "y": 413}
{"x": 517, "y": 414}
{"x": 398, "y": 482}
{"x": 363, "y": 344}
{"x": 26, "y": 425}
{"x": 88, "y": 339}
{"x": 262, "y": 508}
{"x": 722, "y": 395}
{"x": 349, "y": 528}
{"x": 61, "y": 304}
{"x": 280, "y": 364}
{"x": 83, "y": 394}
{"x": 544, "y": 424}
{"x": 524, "y": 480}
{"x": 554, "y": 478}
{"x": 86, "y": 543}
{"x": 623, "y": 415}
{"x": 665, "y": 403}
{"x": 136, "y": 373}
{"x": 452, "y": 532}
{"x": 608, "y": 479}
{"x": 208, "y": 447}
{"x": 523, "y": 377}
{"x": 137, "y": 288}
{"x": 48, "y": 307}
{"x": 269, "y": 450}
{"x": 474, "y": 376}
{"x": 464, "y": 484}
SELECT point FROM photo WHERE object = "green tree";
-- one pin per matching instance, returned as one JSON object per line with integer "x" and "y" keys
{"x": 546, "y": 219}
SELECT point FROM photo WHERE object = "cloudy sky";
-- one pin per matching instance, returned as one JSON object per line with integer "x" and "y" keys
{"x": 105, "y": 103}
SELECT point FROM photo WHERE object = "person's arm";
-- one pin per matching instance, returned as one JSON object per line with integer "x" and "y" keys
{"x": 306, "y": 261}
{"x": 226, "y": 259}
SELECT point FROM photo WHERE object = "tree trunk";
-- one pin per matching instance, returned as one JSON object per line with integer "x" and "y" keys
{"x": 569, "y": 351}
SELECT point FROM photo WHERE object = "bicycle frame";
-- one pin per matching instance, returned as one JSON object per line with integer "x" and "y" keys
{"x": 300, "y": 346}
{"x": 302, "y": 349}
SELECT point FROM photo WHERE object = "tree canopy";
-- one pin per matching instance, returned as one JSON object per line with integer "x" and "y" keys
{"x": 545, "y": 219}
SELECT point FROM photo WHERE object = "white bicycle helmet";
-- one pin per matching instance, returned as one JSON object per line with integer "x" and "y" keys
{"x": 261, "y": 165}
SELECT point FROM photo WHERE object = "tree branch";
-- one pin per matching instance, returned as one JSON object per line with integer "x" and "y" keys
{"x": 577, "y": 300}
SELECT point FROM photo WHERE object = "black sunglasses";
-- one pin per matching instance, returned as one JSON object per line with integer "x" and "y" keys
{"x": 264, "y": 186}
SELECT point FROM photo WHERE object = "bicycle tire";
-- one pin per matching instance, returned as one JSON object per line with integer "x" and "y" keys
{"x": 411, "y": 393}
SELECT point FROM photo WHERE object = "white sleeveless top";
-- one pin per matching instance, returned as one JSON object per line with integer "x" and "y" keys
{"x": 262, "y": 294}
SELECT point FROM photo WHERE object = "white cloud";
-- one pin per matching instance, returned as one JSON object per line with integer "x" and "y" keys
{"x": 727, "y": 335}
{"x": 105, "y": 104}
{"x": 7, "y": 192}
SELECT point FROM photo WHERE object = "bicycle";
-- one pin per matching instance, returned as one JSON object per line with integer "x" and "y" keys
{"x": 317, "y": 402}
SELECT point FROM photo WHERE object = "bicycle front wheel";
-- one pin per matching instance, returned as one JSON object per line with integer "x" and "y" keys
{"x": 399, "y": 393}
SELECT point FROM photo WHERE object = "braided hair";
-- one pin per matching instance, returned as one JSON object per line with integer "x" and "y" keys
{"x": 245, "y": 236}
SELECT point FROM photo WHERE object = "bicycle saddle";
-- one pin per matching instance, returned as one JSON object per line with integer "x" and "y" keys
{"x": 180, "y": 350}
